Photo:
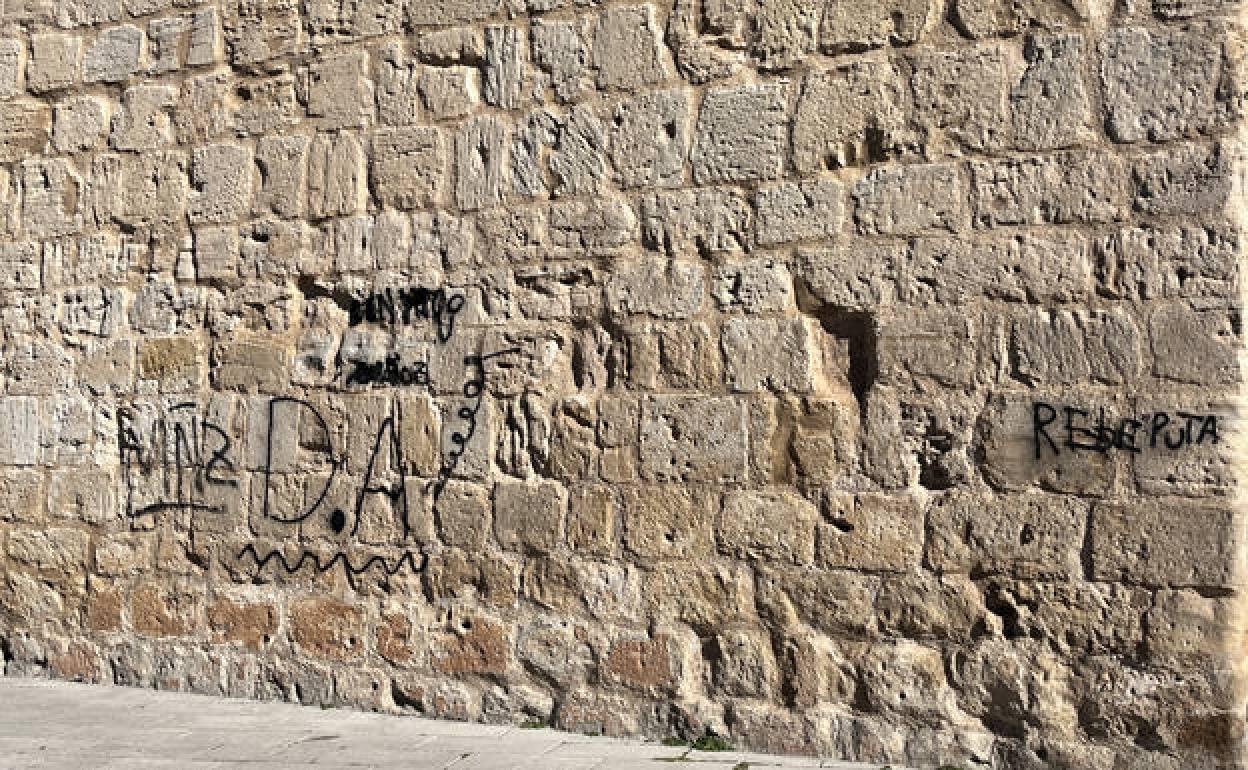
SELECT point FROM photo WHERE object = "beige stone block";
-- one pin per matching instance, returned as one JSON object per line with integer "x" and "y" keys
{"x": 872, "y": 532}
{"x": 768, "y": 526}
{"x": 530, "y": 516}
{"x": 1169, "y": 542}
{"x": 668, "y": 522}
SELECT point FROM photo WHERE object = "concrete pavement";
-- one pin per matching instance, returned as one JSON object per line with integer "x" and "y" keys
{"x": 46, "y": 724}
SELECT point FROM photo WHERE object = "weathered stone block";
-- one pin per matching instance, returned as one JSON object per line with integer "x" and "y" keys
{"x": 648, "y": 139}
{"x": 24, "y": 129}
{"x": 964, "y": 93}
{"x": 408, "y": 166}
{"x": 754, "y": 286}
{"x": 1168, "y": 84}
{"x": 1199, "y": 347}
{"x": 1050, "y": 106}
{"x": 656, "y": 287}
{"x": 1030, "y": 536}
{"x": 283, "y": 165}
{"x": 529, "y": 516}
{"x": 144, "y": 120}
{"x": 54, "y": 62}
{"x": 337, "y": 179}
{"x": 704, "y": 221}
{"x": 222, "y": 177}
{"x": 253, "y": 625}
{"x": 852, "y": 115}
{"x": 741, "y": 135}
{"x": 628, "y": 53}
{"x": 693, "y": 439}
{"x": 781, "y": 356}
{"x": 463, "y": 515}
{"x": 668, "y": 522}
{"x": 80, "y": 124}
{"x": 1070, "y": 187}
{"x": 871, "y": 532}
{"x": 114, "y": 56}
{"x": 768, "y": 526}
{"x": 911, "y": 200}
{"x": 327, "y": 628}
{"x": 451, "y": 92}
{"x": 505, "y": 70}
{"x": 1177, "y": 543}
{"x": 480, "y": 162}
{"x": 859, "y": 25}
{"x": 798, "y": 211}
{"x": 340, "y": 94}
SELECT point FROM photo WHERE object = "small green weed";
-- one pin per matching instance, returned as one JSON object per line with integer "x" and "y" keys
{"x": 533, "y": 724}
{"x": 672, "y": 740}
{"x": 711, "y": 742}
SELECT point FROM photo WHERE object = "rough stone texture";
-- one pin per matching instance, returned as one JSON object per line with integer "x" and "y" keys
{"x": 846, "y": 378}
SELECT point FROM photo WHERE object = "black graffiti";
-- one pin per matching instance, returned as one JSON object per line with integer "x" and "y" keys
{"x": 196, "y": 463}
{"x": 389, "y": 372}
{"x": 402, "y": 307}
{"x": 1079, "y": 429}
{"x": 474, "y": 391}
{"x": 320, "y": 566}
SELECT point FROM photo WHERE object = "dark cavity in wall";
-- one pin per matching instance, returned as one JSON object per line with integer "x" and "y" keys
{"x": 858, "y": 330}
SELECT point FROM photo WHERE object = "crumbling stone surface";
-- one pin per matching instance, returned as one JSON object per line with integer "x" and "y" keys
{"x": 851, "y": 378}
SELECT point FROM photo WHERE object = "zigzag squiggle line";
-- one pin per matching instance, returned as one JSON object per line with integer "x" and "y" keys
{"x": 340, "y": 558}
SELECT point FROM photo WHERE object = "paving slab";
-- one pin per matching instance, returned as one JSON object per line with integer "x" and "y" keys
{"x": 62, "y": 725}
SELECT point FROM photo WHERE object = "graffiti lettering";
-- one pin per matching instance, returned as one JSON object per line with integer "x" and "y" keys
{"x": 182, "y": 457}
{"x": 403, "y": 307}
{"x": 1075, "y": 429}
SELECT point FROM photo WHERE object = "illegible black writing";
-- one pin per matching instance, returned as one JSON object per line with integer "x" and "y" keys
{"x": 1071, "y": 428}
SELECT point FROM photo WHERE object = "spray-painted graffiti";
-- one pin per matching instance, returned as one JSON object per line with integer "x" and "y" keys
{"x": 1076, "y": 429}
{"x": 184, "y": 458}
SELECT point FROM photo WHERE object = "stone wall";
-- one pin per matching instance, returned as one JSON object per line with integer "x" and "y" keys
{"x": 857, "y": 379}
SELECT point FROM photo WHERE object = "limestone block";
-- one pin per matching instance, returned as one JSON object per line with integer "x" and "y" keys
{"x": 74, "y": 13}
{"x": 530, "y": 516}
{"x": 463, "y": 512}
{"x": 688, "y": 355}
{"x": 451, "y": 92}
{"x": 12, "y": 62}
{"x": 1050, "y": 105}
{"x": 1167, "y": 262}
{"x": 80, "y": 124}
{"x": 20, "y": 430}
{"x": 60, "y": 551}
{"x": 327, "y": 628}
{"x": 785, "y": 32}
{"x": 668, "y": 522}
{"x": 753, "y": 286}
{"x": 1031, "y": 268}
{"x": 780, "y": 356}
{"x": 146, "y": 189}
{"x": 262, "y": 30}
{"x": 1004, "y": 18}
{"x": 337, "y": 178}
{"x": 206, "y": 106}
{"x": 217, "y": 255}
{"x": 911, "y": 200}
{"x": 860, "y": 25}
{"x": 283, "y": 165}
{"x": 741, "y": 134}
{"x": 871, "y": 532}
{"x": 859, "y": 279}
{"x": 798, "y": 211}
{"x": 648, "y": 139}
{"x": 703, "y": 221}
{"x": 628, "y": 53}
{"x": 20, "y": 265}
{"x": 398, "y": 103}
{"x": 693, "y": 439}
{"x": 480, "y": 161}
{"x": 850, "y": 115}
{"x": 1067, "y": 187}
{"x": 114, "y": 56}
{"x": 222, "y": 176}
{"x": 52, "y": 198}
{"x": 964, "y": 93}
{"x": 1069, "y": 347}
{"x": 835, "y": 602}
{"x": 1196, "y": 347}
{"x": 144, "y": 120}
{"x": 656, "y": 287}
{"x": 1187, "y": 180}
{"x": 1168, "y": 84}
{"x": 770, "y": 526}
{"x": 166, "y": 38}
{"x": 1029, "y": 536}
{"x": 409, "y": 166}
{"x": 927, "y": 343}
{"x": 561, "y": 53}
{"x": 81, "y": 495}
{"x": 445, "y": 47}
{"x": 442, "y": 12}
{"x": 505, "y": 70}
{"x": 24, "y": 129}
{"x": 1177, "y": 543}
{"x": 339, "y": 91}
{"x": 266, "y": 106}
{"x": 591, "y": 519}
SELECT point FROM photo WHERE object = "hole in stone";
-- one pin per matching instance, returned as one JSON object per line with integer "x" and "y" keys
{"x": 857, "y": 328}
{"x": 338, "y": 520}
